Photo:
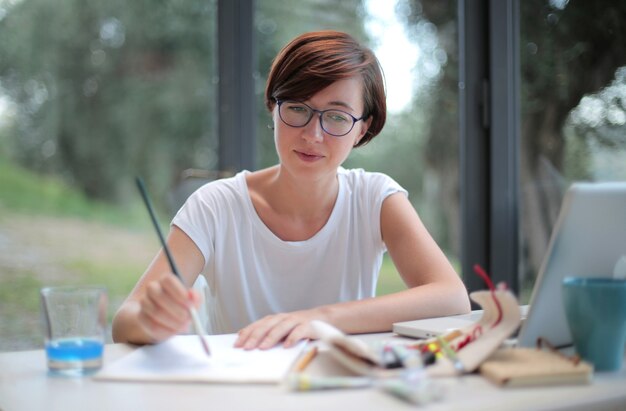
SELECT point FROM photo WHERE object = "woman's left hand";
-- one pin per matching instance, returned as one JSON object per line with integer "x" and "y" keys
{"x": 272, "y": 329}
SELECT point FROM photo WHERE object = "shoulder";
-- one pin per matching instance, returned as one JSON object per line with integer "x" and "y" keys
{"x": 372, "y": 182}
{"x": 214, "y": 197}
{"x": 211, "y": 205}
{"x": 229, "y": 188}
{"x": 358, "y": 176}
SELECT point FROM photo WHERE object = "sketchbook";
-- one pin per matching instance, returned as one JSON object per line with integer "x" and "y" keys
{"x": 182, "y": 359}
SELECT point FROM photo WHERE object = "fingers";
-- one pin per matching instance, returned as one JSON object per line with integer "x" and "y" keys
{"x": 269, "y": 331}
{"x": 194, "y": 297}
{"x": 299, "y": 333}
{"x": 274, "y": 335}
{"x": 164, "y": 309}
{"x": 253, "y": 335}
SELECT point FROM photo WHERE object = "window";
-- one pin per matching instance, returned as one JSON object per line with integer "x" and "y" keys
{"x": 573, "y": 82}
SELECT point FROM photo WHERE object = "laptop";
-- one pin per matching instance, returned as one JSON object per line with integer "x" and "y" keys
{"x": 588, "y": 239}
{"x": 432, "y": 327}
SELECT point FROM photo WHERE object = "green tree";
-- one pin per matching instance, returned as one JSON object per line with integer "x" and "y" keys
{"x": 108, "y": 90}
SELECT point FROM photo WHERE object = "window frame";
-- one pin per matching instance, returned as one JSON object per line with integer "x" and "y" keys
{"x": 489, "y": 130}
{"x": 236, "y": 99}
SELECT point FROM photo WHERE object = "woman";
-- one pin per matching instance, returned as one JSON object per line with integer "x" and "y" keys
{"x": 302, "y": 240}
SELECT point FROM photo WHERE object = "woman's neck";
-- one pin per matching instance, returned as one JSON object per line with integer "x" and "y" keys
{"x": 292, "y": 208}
{"x": 304, "y": 197}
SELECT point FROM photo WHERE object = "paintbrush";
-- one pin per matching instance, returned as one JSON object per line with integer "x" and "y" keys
{"x": 197, "y": 325}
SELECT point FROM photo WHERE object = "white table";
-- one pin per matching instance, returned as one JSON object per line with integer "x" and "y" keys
{"x": 25, "y": 385}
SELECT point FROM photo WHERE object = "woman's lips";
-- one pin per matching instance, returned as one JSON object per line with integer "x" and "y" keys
{"x": 308, "y": 156}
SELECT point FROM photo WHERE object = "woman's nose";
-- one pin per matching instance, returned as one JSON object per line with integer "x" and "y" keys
{"x": 313, "y": 130}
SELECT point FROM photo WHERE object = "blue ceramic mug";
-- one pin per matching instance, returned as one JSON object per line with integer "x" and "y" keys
{"x": 596, "y": 314}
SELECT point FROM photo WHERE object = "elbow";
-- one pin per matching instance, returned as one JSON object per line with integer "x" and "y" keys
{"x": 464, "y": 305}
{"x": 458, "y": 300}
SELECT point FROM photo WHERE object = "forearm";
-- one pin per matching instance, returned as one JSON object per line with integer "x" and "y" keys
{"x": 378, "y": 314}
{"x": 370, "y": 315}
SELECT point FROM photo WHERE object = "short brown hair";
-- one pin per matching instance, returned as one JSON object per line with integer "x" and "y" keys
{"x": 315, "y": 60}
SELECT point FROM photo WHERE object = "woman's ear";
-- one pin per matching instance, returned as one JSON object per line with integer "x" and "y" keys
{"x": 275, "y": 116}
{"x": 365, "y": 125}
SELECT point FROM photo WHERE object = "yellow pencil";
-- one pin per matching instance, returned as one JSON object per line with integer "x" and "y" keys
{"x": 305, "y": 360}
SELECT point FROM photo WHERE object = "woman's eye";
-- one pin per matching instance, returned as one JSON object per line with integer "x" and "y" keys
{"x": 337, "y": 117}
{"x": 297, "y": 109}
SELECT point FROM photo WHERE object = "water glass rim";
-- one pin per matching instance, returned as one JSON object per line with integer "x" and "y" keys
{"x": 72, "y": 288}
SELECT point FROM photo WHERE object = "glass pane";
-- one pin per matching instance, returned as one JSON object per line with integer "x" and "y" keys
{"x": 93, "y": 93}
{"x": 573, "y": 110}
{"x": 416, "y": 43}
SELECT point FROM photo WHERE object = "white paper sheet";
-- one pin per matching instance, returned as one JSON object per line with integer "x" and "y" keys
{"x": 182, "y": 359}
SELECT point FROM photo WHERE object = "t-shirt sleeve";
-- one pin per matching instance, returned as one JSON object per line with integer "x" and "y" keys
{"x": 381, "y": 186}
{"x": 389, "y": 186}
{"x": 197, "y": 219}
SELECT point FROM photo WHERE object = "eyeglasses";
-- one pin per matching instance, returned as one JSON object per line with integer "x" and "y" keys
{"x": 334, "y": 122}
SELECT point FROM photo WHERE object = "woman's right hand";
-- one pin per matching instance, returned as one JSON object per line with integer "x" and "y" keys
{"x": 158, "y": 306}
{"x": 164, "y": 308}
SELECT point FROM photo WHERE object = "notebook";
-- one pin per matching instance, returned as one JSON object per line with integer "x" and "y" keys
{"x": 182, "y": 359}
{"x": 588, "y": 239}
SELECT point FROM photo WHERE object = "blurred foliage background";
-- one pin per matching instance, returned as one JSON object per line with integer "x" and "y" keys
{"x": 101, "y": 91}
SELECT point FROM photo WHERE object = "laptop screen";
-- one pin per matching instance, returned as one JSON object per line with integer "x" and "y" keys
{"x": 588, "y": 240}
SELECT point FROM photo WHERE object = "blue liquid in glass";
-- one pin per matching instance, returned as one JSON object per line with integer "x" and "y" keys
{"x": 74, "y": 349}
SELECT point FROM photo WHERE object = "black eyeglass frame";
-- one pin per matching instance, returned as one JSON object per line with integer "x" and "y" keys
{"x": 320, "y": 114}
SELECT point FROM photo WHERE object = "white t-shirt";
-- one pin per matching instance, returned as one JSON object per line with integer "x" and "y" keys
{"x": 252, "y": 273}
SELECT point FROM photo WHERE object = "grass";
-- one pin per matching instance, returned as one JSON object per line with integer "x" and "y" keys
{"x": 19, "y": 305}
{"x": 114, "y": 274}
{"x": 16, "y": 290}
{"x": 26, "y": 192}
{"x": 119, "y": 277}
